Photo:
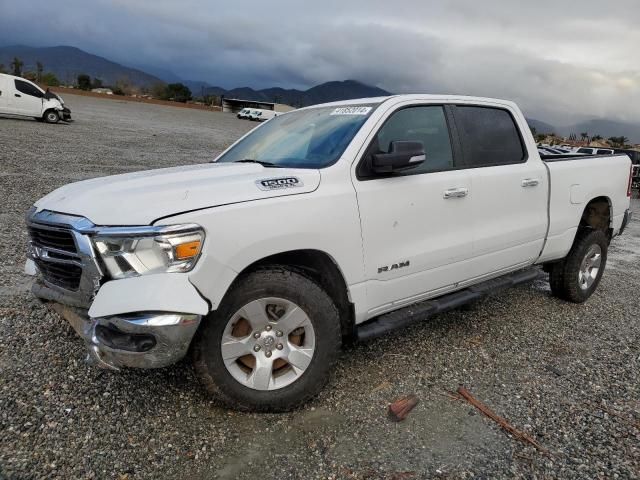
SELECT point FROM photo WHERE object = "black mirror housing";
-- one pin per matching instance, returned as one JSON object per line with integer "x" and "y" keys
{"x": 402, "y": 156}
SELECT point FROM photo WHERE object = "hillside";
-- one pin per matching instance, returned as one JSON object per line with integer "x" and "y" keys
{"x": 605, "y": 127}
{"x": 541, "y": 127}
{"x": 67, "y": 62}
{"x": 601, "y": 126}
{"x": 325, "y": 92}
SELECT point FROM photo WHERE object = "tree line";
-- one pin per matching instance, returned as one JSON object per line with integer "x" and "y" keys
{"x": 615, "y": 142}
{"x": 39, "y": 76}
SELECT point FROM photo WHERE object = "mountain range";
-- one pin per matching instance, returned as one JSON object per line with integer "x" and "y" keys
{"x": 598, "y": 126}
{"x": 67, "y": 62}
{"x": 325, "y": 92}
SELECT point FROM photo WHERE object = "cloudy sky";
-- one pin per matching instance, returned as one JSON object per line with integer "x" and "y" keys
{"x": 561, "y": 60}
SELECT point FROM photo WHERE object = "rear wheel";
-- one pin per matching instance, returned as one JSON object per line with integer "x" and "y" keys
{"x": 51, "y": 116}
{"x": 271, "y": 344}
{"x": 578, "y": 275}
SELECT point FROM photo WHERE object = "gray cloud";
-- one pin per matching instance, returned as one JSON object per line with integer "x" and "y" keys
{"x": 561, "y": 61}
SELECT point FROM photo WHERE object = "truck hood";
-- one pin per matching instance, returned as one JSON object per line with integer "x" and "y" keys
{"x": 140, "y": 198}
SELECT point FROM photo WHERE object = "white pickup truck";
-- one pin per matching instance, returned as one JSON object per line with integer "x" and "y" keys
{"x": 331, "y": 223}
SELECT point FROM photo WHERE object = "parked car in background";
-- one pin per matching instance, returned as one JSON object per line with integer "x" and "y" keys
{"x": 550, "y": 151}
{"x": 23, "y": 98}
{"x": 595, "y": 151}
{"x": 332, "y": 223}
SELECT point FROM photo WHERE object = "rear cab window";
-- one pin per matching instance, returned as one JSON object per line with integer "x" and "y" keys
{"x": 489, "y": 136}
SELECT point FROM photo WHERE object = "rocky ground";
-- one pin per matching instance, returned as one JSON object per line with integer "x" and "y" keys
{"x": 565, "y": 374}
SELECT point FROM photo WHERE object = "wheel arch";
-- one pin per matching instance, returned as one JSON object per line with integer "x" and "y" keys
{"x": 321, "y": 268}
{"x": 598, "y": 215}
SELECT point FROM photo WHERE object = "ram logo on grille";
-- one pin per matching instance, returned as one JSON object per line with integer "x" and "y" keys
{"x": 279, "y": 183}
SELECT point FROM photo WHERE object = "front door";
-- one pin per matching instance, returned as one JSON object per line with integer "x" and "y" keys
{"x": 26, "y": 99}
{"x": 416, "y": 225}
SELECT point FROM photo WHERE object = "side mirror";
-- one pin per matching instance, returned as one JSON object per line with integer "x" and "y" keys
{"x": 403, "y": 155}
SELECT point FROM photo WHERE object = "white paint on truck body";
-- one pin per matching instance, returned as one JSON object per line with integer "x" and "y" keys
{"x": 507, "y": 217}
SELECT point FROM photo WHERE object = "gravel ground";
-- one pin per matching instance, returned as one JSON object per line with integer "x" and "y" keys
{"x": 565, "y": 374}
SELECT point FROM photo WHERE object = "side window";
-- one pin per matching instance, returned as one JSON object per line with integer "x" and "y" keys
{"x": 421, "y": 124}
{"x": 489, "y": 136}
{"x": 28, "y": 89}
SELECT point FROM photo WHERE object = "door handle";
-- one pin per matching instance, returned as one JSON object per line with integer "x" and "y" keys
{"x": 456, "y": 193}
{"x": 17, "y": 95}
{"x": 530, "y": 182}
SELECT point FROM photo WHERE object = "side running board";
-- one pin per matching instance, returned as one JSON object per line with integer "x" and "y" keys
{"x": 423, "y": 310}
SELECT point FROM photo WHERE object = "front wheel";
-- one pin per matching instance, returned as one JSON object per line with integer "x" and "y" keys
{"x": 578, "y": 275}
{"x": 51, "y": 116}
{"x": 271, "y": 344}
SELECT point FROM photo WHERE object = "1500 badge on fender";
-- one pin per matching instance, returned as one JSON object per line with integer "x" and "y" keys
{"x": 278, "y": 183}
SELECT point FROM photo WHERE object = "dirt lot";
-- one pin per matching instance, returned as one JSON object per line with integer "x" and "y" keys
{"x": 565, "y": 374}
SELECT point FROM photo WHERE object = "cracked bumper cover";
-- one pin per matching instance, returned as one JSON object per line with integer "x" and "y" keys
{"x": 139, "y": 322}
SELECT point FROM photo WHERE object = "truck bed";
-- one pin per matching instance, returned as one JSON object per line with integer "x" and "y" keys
{"x": 574, "y": 181}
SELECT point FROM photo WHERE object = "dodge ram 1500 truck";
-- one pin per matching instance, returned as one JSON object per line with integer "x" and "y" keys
{"x": 330, "y": 223}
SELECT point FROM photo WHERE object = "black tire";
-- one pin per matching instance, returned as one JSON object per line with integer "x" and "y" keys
{"x": 563, "y": 276}
{"x": 269, "y": 282}
{"x": 51, "y": 116}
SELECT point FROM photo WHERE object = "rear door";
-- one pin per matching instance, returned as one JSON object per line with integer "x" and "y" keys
{"x": 26, "y": 99}
{"x": 509, "y": 189}
{"x": 416, "y": 224}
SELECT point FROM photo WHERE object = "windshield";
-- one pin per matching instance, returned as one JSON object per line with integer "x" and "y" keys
{"x": 310, "y": 138}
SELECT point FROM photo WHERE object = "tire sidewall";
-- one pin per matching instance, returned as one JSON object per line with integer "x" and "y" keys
{"x": 51, "y": 120}
{"x": 578, "y": 255}
{"x": 293, "y": 287}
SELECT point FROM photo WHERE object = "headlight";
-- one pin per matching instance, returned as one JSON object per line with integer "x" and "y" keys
{"x": 129, "y": 252}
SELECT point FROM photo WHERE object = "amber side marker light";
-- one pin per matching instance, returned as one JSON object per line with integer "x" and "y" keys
{"x": 187, "y": 250}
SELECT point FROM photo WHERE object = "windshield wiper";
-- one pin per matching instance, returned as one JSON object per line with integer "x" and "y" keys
{"x": 261, "y": 162}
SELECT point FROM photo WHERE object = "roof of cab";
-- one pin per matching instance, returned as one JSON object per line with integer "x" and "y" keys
{"x": 416, "y": 97}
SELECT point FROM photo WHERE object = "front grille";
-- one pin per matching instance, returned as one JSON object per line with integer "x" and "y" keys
{"x": 48, "y": 238}
{"x": 56, "y": 256}
{"x": 64, "y": 275}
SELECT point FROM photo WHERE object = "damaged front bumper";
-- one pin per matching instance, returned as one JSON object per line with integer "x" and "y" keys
{"x": 137, "y": 340}
{"x": 65, "y": 114}
{"x": 141, "y": 322}
{"x": 145, "y": 321}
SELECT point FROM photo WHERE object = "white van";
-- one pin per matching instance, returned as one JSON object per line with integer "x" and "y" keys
{"x": 262, "y": 115}
{"x": 244, "y": 113}
{"x": 23, "y": 98}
